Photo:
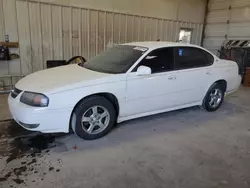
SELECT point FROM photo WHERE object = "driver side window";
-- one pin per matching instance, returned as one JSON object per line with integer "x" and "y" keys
{"x": 160, "y": 60}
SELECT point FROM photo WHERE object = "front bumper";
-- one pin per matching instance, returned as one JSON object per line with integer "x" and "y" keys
{"x": 39, "y": 119}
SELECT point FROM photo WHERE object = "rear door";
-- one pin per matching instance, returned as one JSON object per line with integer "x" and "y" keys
{"x": 195, "y": 74}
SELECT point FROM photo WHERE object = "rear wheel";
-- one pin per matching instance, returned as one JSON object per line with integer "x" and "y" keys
{"x": 94, "y": 117}
{"x": 214, "y": 98}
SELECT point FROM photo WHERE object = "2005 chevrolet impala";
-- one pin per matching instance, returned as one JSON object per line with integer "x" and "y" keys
{"x": 125, "y": 82}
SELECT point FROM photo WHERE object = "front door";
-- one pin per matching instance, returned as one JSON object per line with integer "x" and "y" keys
{"x": 154, "y": 92}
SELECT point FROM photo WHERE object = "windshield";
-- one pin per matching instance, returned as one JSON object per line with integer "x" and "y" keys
{"x": 115, "y": 60}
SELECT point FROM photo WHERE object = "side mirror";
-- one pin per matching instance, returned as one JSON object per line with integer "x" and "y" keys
{"x": 143, "y": 70}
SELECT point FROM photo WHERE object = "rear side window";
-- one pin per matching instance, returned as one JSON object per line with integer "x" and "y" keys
{"x": 209, "y": 57}
{"x": 190, "y": 57}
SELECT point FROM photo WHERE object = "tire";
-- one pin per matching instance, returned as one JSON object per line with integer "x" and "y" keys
{"x": 90, "y": 120}
{"x": 214, "y": 97}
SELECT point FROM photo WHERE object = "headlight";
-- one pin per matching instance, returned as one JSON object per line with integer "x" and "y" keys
{"x": 34, "y": 99}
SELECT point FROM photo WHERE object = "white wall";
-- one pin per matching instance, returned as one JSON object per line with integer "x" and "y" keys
{"x": 60, "y": 29}
{"x": 185, "y": 10}
{"x": 227, "y": 19}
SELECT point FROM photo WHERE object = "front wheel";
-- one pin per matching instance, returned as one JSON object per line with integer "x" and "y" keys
{"x": 94, "y": 118}
{"x": 214, "y": 98}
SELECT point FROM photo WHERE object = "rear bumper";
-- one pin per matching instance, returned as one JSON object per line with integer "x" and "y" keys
{"x": 39, "y": 119}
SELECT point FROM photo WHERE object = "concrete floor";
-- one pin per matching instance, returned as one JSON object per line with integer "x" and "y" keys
{"x": 188, "y": 148}
{"x": 4, "y": 112}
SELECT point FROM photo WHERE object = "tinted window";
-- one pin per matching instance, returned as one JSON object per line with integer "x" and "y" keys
{"x": 160, "y": 60}
{"x": 209, "y": 57}
{"x": 187, "y": 57}
{"x": 115, "y": 60}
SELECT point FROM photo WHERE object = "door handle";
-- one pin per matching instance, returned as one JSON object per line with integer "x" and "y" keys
{"x": 172, "y": 78}
{"x": 208, "y": 73}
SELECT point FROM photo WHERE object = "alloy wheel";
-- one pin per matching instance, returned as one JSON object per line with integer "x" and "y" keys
{"x": 95, "y": 119}
{"x": 215, "y": 98}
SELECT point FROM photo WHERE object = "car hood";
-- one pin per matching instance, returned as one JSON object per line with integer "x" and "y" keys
{"x": 60, "y": 79}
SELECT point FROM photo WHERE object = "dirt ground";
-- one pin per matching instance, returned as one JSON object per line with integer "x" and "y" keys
{"x": 4, "y": 111}
{"x": 187, "y": 148}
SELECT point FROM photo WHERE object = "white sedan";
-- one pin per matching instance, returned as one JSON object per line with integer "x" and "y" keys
{"x": 125, "y": 82}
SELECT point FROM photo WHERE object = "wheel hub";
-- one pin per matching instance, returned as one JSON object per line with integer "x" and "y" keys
{"x": 95, "y": 119}
{"x": 215, "y": 98}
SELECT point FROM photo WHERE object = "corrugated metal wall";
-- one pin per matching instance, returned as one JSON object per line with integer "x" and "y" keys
{"x": 49, "y": 31}
{"x": 227, "y": 19}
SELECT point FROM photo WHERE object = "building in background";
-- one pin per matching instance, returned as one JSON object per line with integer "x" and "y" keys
{"x": 60, "y": 29}
{"x": 226, "y": 20}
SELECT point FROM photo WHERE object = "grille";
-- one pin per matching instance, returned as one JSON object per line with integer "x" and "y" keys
{"x": 15, "y": 92}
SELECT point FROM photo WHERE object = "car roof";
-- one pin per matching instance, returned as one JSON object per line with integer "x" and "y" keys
{"x": 160, "y": 44}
